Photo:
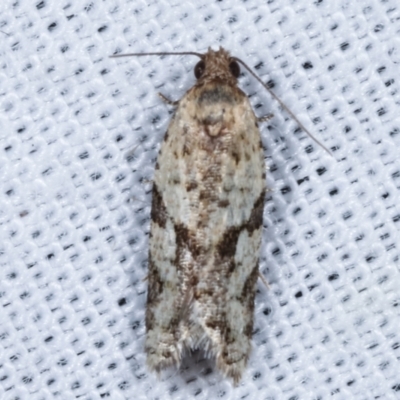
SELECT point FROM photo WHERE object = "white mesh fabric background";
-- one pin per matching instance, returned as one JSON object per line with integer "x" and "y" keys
{"x": 79, "y": 134}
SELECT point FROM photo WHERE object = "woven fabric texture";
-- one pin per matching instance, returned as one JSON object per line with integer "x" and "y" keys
{"x": 79, "y": 135}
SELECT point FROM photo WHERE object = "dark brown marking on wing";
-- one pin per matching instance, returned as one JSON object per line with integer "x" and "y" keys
{"x": 247, "y": 298}
{"x": 185, "y": 241}
{"x": 236, "y": 156}
{"x": 226, "y": 248}
{"x": 192, "y": 185}
{"x": 223, "y": 203}
{"x": 159, "y": 213}
{"x": 218, "y": 323}
{"x": 256, "y": 216}
{"x": 156, "y": 287}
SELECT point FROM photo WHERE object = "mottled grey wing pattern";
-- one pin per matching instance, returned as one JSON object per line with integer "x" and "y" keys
{"x": 205, "y": 238}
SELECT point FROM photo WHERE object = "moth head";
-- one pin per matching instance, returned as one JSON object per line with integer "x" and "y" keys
{"x": 200, "y": 68}
{"x": 217, "y": 65}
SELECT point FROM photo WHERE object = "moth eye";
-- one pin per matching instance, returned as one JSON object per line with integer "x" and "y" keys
{"x": 199, "y": 69}
{"x": 234, "y": 68}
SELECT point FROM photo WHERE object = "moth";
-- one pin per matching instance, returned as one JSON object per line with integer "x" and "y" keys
{"x": 206, "y": 222}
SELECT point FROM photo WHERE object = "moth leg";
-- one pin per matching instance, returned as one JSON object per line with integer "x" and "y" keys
{"x": 265, "y": 118}
{"x": 131, "y": 152}
{"x": 263, "y": 280}
{"x": 168, "y": 101}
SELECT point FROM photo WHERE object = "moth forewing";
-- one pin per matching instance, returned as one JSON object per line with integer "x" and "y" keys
{"x": 206, "y": 222}
{"x": 208, "y": 197}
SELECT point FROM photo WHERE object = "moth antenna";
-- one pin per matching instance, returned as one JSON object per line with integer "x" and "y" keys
{"x": 183, "y": 53}
{"x": 282, "y": 104}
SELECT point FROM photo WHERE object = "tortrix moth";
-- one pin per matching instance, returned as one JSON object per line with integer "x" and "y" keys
{"x": 206, "y": 222}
